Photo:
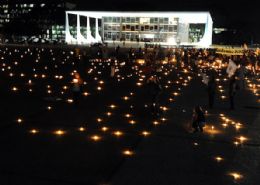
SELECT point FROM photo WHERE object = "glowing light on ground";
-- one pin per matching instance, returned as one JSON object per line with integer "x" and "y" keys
{"x": 128, "y": 152}
{"x": 95, "y": 138}
{"x": 236, "y": 175}
{"x": 34, "y": 131}
{"x": 59, "y": 132}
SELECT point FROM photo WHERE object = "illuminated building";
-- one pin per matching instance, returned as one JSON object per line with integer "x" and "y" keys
{"x": 41, "y": 19}
{"x": 165, "y": 28}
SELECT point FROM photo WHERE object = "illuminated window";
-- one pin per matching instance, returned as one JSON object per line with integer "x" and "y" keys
{"x": 114, "y": 19}
{"x": 144, "y": 20}
{"x": 165, "y": 20}
{"x": 165, "y": 28}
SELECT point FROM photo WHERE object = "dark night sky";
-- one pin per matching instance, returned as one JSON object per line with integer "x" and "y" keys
{"x": 243, "y": 16}
{"x": 233, "y": 14}
{"x": 231, "y": 11}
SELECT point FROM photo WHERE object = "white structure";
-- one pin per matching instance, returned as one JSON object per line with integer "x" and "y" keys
{"x": 165, "y": 28}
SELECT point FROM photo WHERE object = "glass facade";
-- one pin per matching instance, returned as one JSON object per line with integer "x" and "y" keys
{"x": 169, "y": 28}
{"x": 58, "y": 32}
{"x": 140, "y": 29}
{"x": 196, "y": 32}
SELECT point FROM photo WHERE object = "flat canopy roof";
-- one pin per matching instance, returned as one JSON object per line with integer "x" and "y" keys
{"x": 196, "y": 17}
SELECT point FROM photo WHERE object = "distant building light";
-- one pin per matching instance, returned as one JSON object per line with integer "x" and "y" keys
{"x": 219, "y": 30}
{"x": 42, "y": 5}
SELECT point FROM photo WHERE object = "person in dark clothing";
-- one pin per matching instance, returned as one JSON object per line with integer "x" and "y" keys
{"x": 232, "y": 91}
{"x": 117, "y": 50}
{"x": 211, "y": 90}
{"x": 198, "y": 119}
{"x": 186, "y": 58}
{"x": 76, "y": 89}
{"x": 155, "y": 89}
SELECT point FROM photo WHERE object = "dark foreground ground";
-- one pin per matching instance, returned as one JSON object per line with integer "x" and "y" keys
{"x": 163, "y": 149}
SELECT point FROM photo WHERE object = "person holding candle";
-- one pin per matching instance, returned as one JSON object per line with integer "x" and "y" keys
{"x": 77, "y": 82}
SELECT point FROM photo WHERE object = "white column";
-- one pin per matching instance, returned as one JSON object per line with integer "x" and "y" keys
{"x": 67, "y": 29}
{"x": 78, "y": 29}
{"x": 88, "y": 29}
{"x": 97, "y": 34}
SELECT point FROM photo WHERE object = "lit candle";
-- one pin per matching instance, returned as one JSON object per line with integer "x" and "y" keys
{"x": 14, "y": 88}
{"x": 19, "y": 120}
{"x": 126, "y": 98}
{"x": 59, "y": 132}
{"x": 128, "y": 115}
{"x": 34, "y": 131}
{"x": 242, "y": 139}
{"x": 118, "y": 133}
{"x": 155, "y": 122}
{"x": 132, "y": 122}
{"x": 82, "y": 129}
{"x": 70, "y": 100}
{"x": 104, "y": 129}
{"x": 236, "y": 175}
{"x": 112, "y": 106}
{"x": 218, "y": 159}
{"x": 128, "y": 152}
{"x": 145, "y": 133}
{"x": 95, "y": 137}
{"x": 99, "y": 120}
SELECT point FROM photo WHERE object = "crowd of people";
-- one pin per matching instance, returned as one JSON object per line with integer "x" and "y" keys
{"x": 235, "y": 67}
{"x": 238, "y": 66}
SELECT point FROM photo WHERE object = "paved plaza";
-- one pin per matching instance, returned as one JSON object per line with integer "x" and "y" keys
{"x": 111, "y": 137}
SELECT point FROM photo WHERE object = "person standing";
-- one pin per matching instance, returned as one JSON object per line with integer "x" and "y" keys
{"x": 155, "y": 90}
{"x": 241, "y": 74}
{"x": 112, "y": 70}
{"x": 77, "y": 82}
{"x": 198, "y": 119}
{"x": 211, "y": 90}
{"x": 232, "y": 91}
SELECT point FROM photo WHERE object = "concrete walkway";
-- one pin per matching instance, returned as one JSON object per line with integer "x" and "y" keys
{"x": 173, "y": 156}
